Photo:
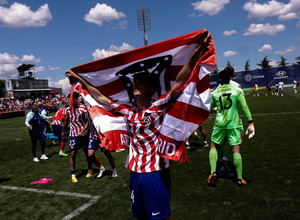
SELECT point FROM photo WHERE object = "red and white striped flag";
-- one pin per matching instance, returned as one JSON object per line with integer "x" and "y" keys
{"x": 113, "y": 76}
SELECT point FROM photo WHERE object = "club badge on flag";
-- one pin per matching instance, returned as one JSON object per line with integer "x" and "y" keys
{"x": 113, "y": 76}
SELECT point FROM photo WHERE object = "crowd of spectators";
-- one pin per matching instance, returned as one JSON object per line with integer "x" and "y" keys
{"x": 14, "y": 104}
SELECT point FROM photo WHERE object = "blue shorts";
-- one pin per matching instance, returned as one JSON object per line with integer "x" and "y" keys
{"x": 93, "y": 144}
{"x": 150, "y": 194}
{"x": 76, "y": 143}
{"x": 57, "y": 129}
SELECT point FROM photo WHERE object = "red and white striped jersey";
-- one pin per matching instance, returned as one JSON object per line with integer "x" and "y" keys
{"x": 59, "y": 116}
{"x": 143, "y": 131}
{"x": 93, "y": 134}
{"x": 77, "y": 118}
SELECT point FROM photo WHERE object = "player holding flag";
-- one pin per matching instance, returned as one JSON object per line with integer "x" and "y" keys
{"x": 149, "y": 178}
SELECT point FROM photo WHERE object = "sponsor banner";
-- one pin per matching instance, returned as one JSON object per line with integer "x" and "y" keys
{"x": 262, "y": 77}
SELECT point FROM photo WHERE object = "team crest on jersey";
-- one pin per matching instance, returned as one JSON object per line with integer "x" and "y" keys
{"x": 154, "y": 67}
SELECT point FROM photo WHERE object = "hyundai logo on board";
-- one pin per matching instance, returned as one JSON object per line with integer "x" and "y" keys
{"x": 281, "y": 73}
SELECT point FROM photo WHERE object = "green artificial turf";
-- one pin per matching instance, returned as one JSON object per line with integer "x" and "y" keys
{"x": 270, "y": 163}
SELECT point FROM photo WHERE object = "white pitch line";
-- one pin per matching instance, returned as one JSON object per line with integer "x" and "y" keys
{"x": 278, "y": 113}
{"x": 265, "y": 114}
{"x": 81, "y": 208}
{"x": 92, "y": 198}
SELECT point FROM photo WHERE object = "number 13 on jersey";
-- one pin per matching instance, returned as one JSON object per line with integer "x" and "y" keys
{"x": 226, "y": 102}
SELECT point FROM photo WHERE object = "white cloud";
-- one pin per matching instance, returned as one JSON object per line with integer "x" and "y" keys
{"x": 265, "y": 47}
{"x": 6, "y": 58}
{"x": 229, "y": 53}
{"x": 228, "y": 33}
{"x": 264, "y": 29}
{"x": 52, "y": 83}
{"x": 39, "y": 69}
{"x": 8, "y": 65}
{"x": 273, "y": 63}
{"x": 51, "y": 68}
{"x": 8, "y": 70}
{"x": 103, "y": 13}
{"x": 288, "y": 50}
{"x": 192, "y": 15}
{"x": 30, "y": 59}
{"x": 112, "y": 50}
{"x": 64, "y": 84}
{"x": 273, "y": 8}
{"x": 10, "y": 62}
{"x": 298, "y": 24}
{"x": 20, "y": 16}
{"x": 123, "y": 24}
{"x": 288, "y": 16}
{"x": 210, "y": 7}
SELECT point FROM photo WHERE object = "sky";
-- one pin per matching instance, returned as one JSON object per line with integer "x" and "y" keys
{"x": 57, "y": 35}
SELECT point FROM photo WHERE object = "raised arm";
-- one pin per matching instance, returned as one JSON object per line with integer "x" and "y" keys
{"x": 98, "y": 96}
{"x": 188, "y": 67}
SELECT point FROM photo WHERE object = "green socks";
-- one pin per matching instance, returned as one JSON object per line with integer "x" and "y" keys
{"x": 213, "y": 158}
{"x": 237, "y": 161}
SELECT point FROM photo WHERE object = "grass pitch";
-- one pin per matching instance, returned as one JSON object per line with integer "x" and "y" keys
{"x": 270, "y": 162}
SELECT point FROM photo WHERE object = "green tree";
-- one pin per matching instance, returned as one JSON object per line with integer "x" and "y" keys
{"x": 265, "y": 63}
{"x": 247, "y": 65}
{"x": 282, "y": 61}
{"x": 228, "y": 64}
{"x": 297, "y": 60}
{"x": 2, "y": 87}
{"x": 215, "y": 72}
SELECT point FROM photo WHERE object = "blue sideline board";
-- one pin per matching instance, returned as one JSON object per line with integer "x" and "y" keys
{"x": 247, "y": 79}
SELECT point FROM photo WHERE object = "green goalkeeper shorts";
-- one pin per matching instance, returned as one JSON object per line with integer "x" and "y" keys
{"x": 241, "y": 127}
{"x": 233, "y": 136}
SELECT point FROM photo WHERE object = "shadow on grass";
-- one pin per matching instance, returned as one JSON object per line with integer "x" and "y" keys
{"x": 226, "y": 170}
{"x": 4, "y": 180}
{"x": 95, "y": 172}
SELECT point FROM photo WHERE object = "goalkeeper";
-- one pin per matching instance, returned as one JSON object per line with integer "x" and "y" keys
{"x": 225, "y": 100}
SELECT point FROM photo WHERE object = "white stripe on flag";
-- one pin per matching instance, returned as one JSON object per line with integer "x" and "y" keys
{"x": 205, "y": 97}
{"x": 175, "y": 128}
{"x": 108, "y": 123}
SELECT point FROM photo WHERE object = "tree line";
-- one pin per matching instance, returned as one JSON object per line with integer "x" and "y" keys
{"x": 264, "y": 64}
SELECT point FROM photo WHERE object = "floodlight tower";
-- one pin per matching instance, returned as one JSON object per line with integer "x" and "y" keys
{"x": 144, "y": 21}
